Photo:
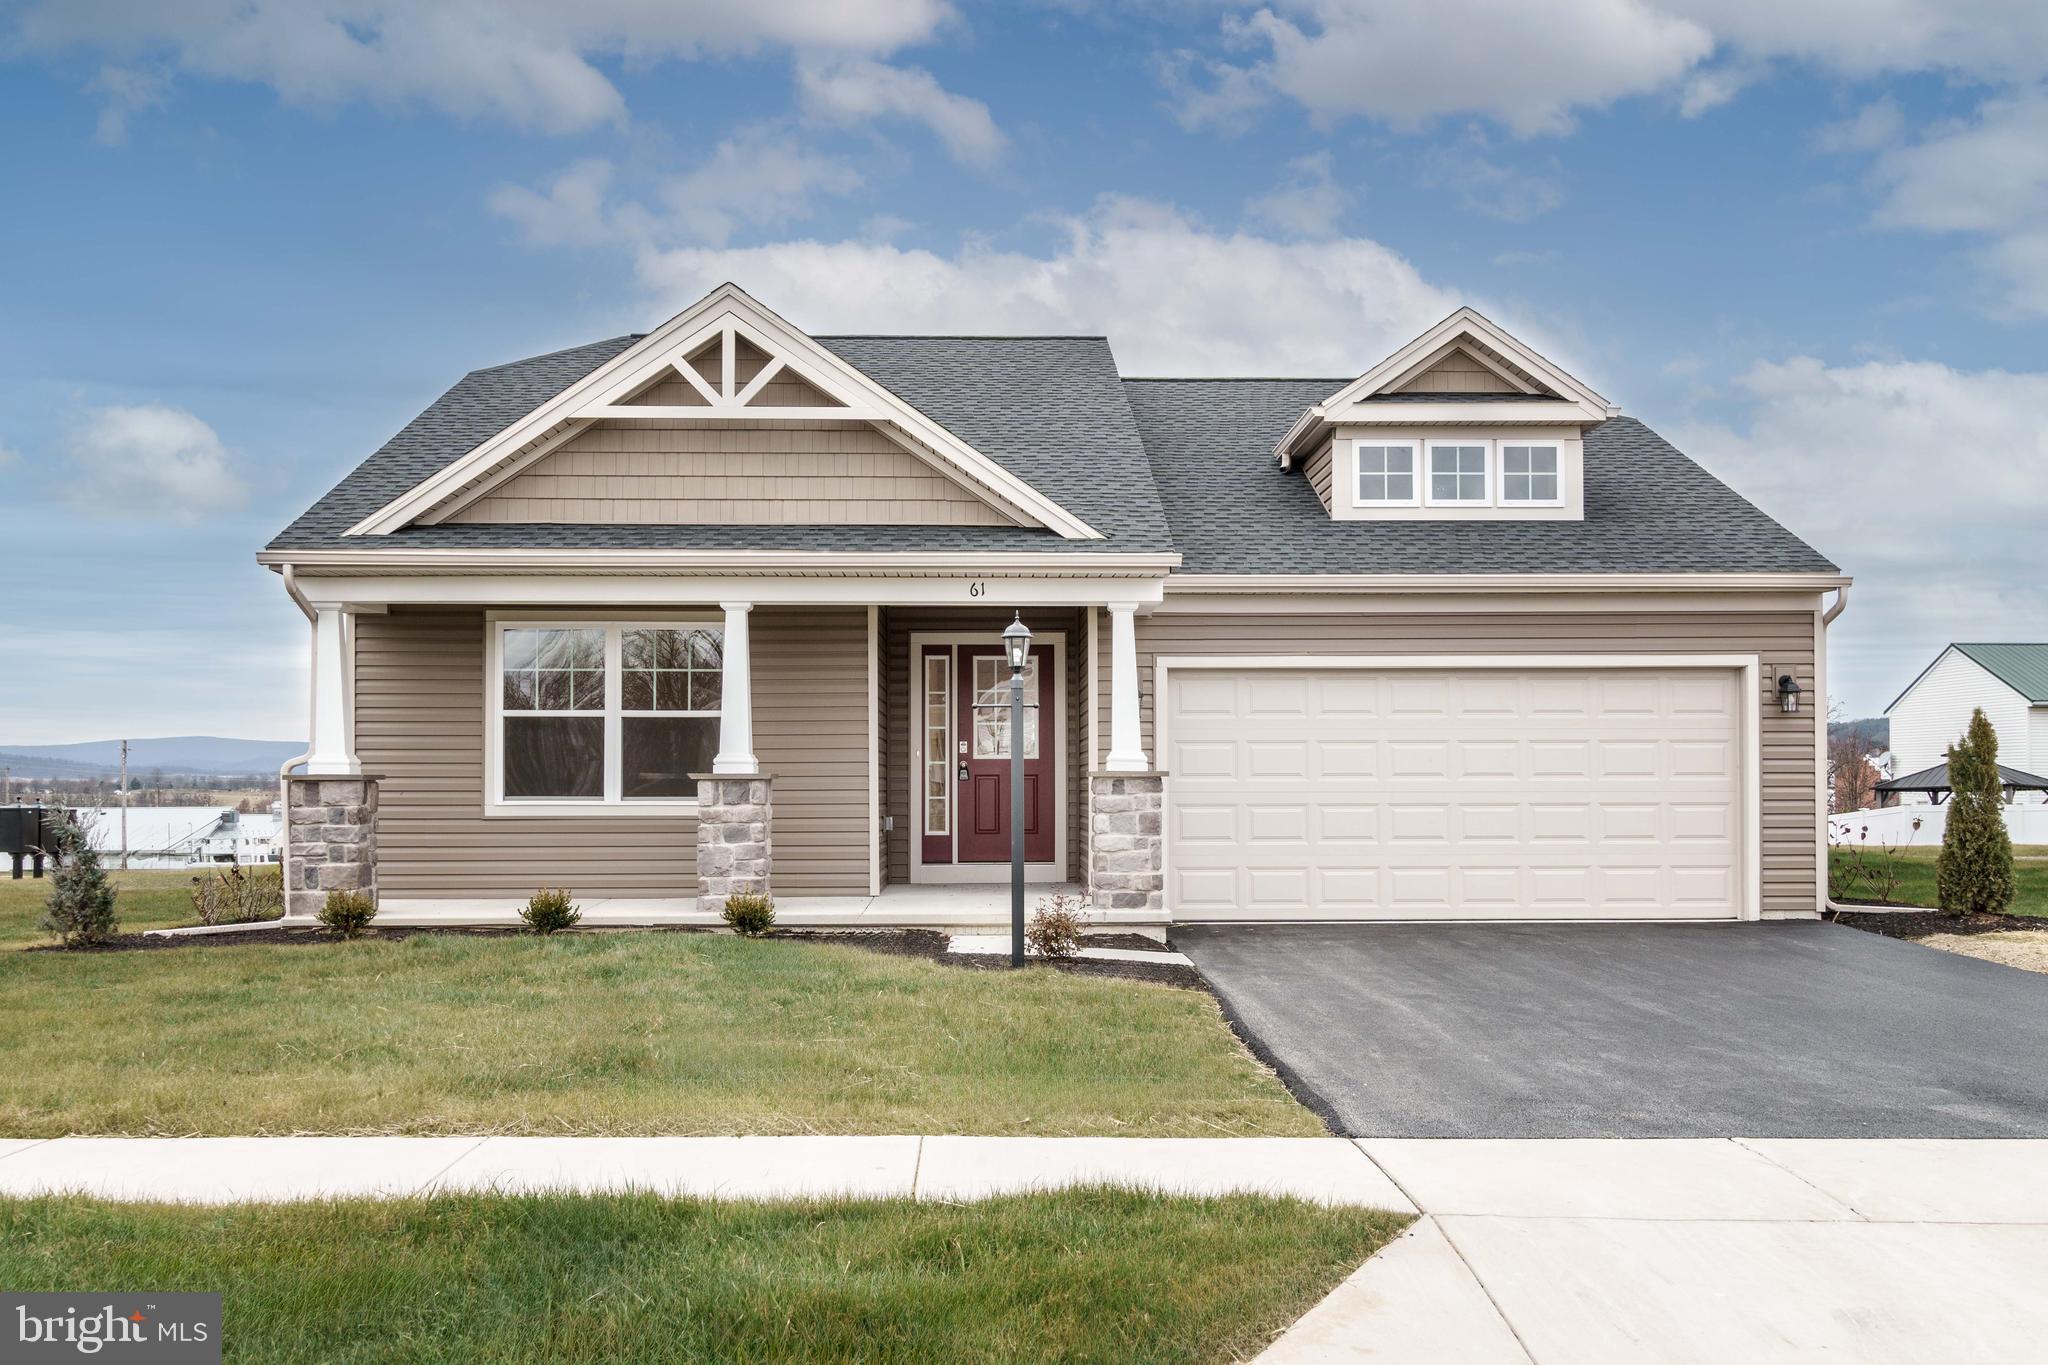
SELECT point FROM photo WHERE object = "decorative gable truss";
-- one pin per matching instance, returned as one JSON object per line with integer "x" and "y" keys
{"x": 723, "y": 362}
{"x": 1472, "y": 372}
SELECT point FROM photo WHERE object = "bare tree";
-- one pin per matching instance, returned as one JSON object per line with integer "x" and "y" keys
{"x": 1852, "y": 778}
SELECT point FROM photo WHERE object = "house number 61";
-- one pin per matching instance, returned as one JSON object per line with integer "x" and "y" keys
{"x": 977, "y": 589}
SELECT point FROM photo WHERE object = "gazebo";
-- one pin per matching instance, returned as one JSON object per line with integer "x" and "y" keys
{"x": 1934, "y": 782}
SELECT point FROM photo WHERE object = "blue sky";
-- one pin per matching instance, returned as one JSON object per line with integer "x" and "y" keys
{"x": 247, "y": 240}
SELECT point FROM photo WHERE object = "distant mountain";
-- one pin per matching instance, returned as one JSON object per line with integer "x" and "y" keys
{"x": 206, "y": 755}
{"x": 1874, "y": 731}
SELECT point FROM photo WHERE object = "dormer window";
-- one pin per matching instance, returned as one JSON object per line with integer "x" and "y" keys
{"x": 1457, "y": 475}
{"x": 1528, "y": 475}
{"x": 1386, "y": 475}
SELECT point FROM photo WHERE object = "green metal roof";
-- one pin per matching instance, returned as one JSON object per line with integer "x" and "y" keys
{"x": 2023, "y": 668}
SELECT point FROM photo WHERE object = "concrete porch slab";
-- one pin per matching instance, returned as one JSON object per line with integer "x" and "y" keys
{"x": 1982, "y": 1180}
{"x": 704, "y": 1167}
{"x": 231, "y": 1169}
{"x": 1675, "y": 1178}
{"x": 1326, "y": 1170}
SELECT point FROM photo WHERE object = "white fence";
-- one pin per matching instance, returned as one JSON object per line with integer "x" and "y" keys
{"x": 1895, "y": 825}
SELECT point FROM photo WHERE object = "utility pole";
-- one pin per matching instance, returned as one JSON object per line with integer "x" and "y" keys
{"x": 124, "y": 805}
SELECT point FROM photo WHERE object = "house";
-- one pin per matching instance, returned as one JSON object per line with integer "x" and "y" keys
{"x": 182, "y": 836}
{"x": 2008, "y": 681}
{"x": 718, "y": 608}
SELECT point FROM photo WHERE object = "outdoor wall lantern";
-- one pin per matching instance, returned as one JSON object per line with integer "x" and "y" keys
{"x": 1017, "y": 645}
{"x": 1788, "y": 694}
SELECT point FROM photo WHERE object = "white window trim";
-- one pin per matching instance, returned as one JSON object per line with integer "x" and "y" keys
{"x": 1415, "y": 459}
{"x": 1500, "y": 474}
{"x": 1487, "y": 472}
{"x": 612, "y": 804}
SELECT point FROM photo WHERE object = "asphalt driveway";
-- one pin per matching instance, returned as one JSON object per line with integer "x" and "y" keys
{"x": 1795, "y": 1029}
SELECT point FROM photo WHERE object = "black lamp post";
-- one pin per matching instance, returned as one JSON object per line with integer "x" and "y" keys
{"x": 1017, "y": 645}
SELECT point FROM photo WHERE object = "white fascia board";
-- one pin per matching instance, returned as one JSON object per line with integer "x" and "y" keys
{"x": 793, "y": 563}
{"x": 1340, "y": 406}
{"x": 995, "y": 591}
{"x": 1506, "y": 413}
{"x": 726, "y": 307}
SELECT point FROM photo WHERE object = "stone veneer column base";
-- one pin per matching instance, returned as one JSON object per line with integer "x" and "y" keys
{"x": 735, "y": 847}
{"x": 1127, "y": 841}
{"x": 330, "y": 839}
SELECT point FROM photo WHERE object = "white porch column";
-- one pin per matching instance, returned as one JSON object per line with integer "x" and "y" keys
{"x": 331, "y": 753}
{"x": 1126, "y": 751}
{"x": 736, "y": 698}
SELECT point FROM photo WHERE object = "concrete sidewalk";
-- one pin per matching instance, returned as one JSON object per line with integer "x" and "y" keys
{"x": 1698, "y": 1250}
{"x": 1527, "y": 1251}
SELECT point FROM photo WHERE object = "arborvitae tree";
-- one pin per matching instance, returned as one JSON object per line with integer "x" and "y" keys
{"x": 1974, "y": 872}
{"x": 81, "y": 908}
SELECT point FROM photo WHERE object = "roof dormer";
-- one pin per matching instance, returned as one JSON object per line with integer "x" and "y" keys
{"x": 1462, "y": 423}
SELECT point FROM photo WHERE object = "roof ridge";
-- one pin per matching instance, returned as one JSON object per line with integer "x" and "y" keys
{"x": 1230, "y": 379}
{"x": 960, "y": 336}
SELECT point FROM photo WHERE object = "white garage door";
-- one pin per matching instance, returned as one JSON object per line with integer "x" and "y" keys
{"x": 1470, "y": 794}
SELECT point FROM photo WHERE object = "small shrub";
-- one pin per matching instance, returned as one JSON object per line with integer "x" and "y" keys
{"x": 80, "y": 912}
{"x": 1973, "y": 873}
{"x": 237, "y": 897}
{"x": 750, "y": 915}
{"x": 1864, "y": 871}
{"x": 1055, "y": 927}
{"x": 347, "y": 914}
{"x": 550, "y": 911}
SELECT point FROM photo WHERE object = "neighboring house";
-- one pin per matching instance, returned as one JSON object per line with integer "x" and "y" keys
{"x": 2010, "y": 683}
{"x": 714, "y": 608}
{"x": 182, "y": 836}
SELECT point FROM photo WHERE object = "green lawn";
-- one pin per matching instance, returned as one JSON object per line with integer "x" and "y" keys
{"x": 146, "y": 900}
{"x": 1916, "y": 877}
{"x": 1081, "y": 1275}
{"x": 618, "y": 1033}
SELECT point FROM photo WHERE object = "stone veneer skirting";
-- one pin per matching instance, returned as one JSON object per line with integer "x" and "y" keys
{"x": 1126, "y": 840}
{"x": 735, "y": 843}
{"x": 330, "y": 840}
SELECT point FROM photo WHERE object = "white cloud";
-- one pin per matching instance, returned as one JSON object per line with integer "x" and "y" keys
{"x": 1409, "y": 62}
{"x": 8, "y": 456}
{"x": 123, "y": 92}
{"x": 1308, "y": 202}
{"x": 153, "y": 461}
{"x": 756, "y": 178}
{"x": 1535, "y": 67}
{"x": 1511, "y": 193}
{"x": 1921, "y": 480}
{"x": 1174, "y": 296}
{"x": 849, "y": 91}
{"x": 1876, "y": 125}
{"x": 527, "y": 62}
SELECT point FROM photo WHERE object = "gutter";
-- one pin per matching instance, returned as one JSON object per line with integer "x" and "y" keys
{"x": 736, "y": 563}
{"x": 1828, "y": 904}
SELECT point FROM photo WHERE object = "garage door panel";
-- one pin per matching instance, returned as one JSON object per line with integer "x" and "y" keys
{"x": 1599, "y": 794}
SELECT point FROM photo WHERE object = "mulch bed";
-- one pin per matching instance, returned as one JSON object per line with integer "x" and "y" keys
{"x": 925, "y": 943}
{"x": 1911, "y": 923}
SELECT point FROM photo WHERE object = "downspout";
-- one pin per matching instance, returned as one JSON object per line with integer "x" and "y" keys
{"x": 1827, "y": 618}
{"x": 284, "y": 795}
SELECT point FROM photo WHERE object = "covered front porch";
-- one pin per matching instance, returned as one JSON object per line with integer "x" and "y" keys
{"x": 839, "y": 756}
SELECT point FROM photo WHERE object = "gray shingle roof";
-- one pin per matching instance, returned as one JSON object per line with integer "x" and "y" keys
{"x": 1156, "y": 465}
{"x": 1051, "y": 410}
{"x": 1234, "y": 510}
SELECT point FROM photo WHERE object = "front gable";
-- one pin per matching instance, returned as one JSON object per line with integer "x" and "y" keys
{"x": 725, "y": 414}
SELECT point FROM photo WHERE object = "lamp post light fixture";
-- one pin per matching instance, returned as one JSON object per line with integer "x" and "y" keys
{"x": 1788, "y": 694}
{"x": 1017, "y": 646}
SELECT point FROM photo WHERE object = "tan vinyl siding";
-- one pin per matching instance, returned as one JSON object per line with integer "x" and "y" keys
{"x": 671, "y": 392}
{"x": 1782, "y": 640}
{"x": 685, "y": 473}
{"x": 420, "y": 724}
{"x": 1457, "y": 372}
{"x": 897, "y": 625}
{"x": 1318, "y": 470}
{"x": 811, "y": 732}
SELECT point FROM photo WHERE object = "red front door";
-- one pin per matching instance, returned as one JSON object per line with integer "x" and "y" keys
{"x": 981, "y": 758}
